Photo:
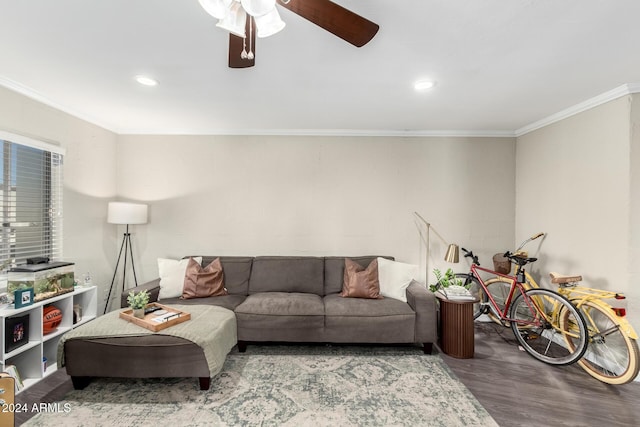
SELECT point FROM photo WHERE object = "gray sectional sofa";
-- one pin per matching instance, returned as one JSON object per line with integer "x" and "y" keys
{"x": 297, "y": 299}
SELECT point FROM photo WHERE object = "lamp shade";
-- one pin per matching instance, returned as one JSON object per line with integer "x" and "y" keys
{"x": 453, "y": 253}
{"x": 126, "y": 213}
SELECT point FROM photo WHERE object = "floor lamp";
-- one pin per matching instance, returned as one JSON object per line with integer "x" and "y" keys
{"x": 453, "y": 251}
{"x": 125, "y": 214}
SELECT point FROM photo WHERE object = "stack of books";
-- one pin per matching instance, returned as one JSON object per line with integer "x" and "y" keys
{"x": 458, "y": 293}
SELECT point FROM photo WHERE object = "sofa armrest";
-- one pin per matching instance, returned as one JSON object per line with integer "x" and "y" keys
{"x": 423, "y": 302}
{"x": 153, "y": 287}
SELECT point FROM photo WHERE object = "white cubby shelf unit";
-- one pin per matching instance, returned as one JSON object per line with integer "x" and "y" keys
{"x": 28, "y": 358}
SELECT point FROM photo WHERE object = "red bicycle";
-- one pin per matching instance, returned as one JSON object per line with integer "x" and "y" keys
{"x": 545, "y": 323}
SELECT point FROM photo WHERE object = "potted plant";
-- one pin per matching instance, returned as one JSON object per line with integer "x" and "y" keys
{"x": 449, "y": 279}
{"x": 138, "y": 302}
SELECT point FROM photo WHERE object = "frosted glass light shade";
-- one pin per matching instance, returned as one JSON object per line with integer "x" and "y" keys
{"x": 269, "y": 24}
{"x": 235, "y": 21}
{"x": 126, "y": 213}
{"x": 216, "y": 8}
{"x": 257, "y": 8}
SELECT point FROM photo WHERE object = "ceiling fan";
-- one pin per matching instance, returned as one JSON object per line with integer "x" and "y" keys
{"x": 246, "y": 19}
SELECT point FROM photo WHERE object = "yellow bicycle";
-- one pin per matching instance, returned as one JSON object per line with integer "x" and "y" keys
{"x": 612, "y": 354}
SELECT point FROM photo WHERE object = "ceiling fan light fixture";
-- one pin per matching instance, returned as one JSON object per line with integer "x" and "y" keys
{"x": 235, "y": 21}
{"x": 257, "y": 8}
{"x": 269, "y": 24}
{"x": 216, "y": 8}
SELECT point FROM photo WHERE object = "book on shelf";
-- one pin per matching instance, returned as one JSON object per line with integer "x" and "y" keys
{"x": 455, "y": 293}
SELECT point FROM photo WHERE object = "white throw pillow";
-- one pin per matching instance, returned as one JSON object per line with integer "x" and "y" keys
{"x": 172, "y": 273}
{"x": 395, "y": 277}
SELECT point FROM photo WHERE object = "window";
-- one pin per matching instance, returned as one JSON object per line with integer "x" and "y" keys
{"x": 30, "y": 199}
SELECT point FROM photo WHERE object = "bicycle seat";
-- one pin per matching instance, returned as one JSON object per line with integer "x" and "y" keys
{"x": 561, "y": 279}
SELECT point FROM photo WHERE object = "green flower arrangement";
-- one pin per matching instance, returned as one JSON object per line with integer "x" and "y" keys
{"x": 449, "y": 279}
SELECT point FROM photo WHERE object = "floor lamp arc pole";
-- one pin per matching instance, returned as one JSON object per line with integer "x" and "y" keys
{"x": 426, "y": 260}
{"x": 453, "y": 251}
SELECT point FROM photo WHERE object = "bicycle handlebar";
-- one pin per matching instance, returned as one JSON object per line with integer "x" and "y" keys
{"x": 513, "y": 257}
{"x": 471, "y": 255}
{"x": 534, "y": 237}
{"x": 518, "y": 259}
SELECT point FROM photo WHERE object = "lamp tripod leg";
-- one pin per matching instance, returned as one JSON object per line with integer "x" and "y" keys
{"x": 115, "y": 272}
{"x": 133, "y": 267}
{"x": 124, "y": 266}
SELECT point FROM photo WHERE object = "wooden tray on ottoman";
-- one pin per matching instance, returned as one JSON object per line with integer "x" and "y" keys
{"x": 179, "y": 316}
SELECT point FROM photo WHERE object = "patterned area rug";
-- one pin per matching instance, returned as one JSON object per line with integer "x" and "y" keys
{"x": 286, "y": 386}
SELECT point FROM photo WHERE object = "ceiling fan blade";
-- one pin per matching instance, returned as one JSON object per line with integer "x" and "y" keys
{"x": 334, "y": 18}
{"x": 242, "y": 50}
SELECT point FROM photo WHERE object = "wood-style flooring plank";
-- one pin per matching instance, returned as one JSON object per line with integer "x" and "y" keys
{"x": 518, "y": 390}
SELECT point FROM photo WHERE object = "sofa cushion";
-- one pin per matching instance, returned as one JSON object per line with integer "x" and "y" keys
{"x": 287, "y": 274}
{"x": 335, "y": 305}
{"x": 334, "y": 271}
{"x": 266, "y": 310}
{"x": 368, "y": 320}
{"x": 202, "y": 282}
{"x": 172, "y": 274}
{"x": 395, "y": 277}
{"x": 360, "y": 282}
{"x": 236, "y": 272}
{"x": 229, "y": 302}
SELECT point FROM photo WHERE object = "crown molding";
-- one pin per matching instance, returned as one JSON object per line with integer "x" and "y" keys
{"x": 623, "y": 90}
{"x": 36, "y": 96}
{"x": 30, "y": 93}
{"x": 336, "y": 132}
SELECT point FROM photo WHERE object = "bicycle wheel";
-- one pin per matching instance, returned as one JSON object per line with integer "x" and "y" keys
{"x": 612, "y": 357}
{"x": 499, "y": 288}
{"x": 541, "y": 320}
{"x": 474, "y": 287}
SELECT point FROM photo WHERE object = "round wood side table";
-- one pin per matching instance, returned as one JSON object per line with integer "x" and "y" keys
{"x": 456, "y": 327}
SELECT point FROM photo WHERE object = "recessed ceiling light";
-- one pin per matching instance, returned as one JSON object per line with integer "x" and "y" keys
{"x": 422, "y": 85}
{"x": 147, "y": 81}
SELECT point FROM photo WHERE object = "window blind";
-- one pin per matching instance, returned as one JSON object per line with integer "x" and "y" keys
{"x": 31, "y": 201}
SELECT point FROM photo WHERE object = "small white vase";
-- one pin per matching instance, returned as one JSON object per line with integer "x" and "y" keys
{"x": 138, "y": 312}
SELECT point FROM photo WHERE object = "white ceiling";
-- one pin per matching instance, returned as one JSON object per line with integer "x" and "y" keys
{"x": 500, "y": 65}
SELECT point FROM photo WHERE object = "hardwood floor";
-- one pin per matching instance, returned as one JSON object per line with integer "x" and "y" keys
{"x": 516, "y": 389}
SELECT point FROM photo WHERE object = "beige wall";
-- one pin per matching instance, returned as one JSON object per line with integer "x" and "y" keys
{"x": 291, "y": 195}
{"x": 89, "y": 179}
{"x": 573, "y": 181}
{"x": 577, "y": 180}
{"x": 633, "y": 278}
{"x": 271, "y": 195}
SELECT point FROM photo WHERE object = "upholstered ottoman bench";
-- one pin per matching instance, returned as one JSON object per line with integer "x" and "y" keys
{"x": 113, "y": 347}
